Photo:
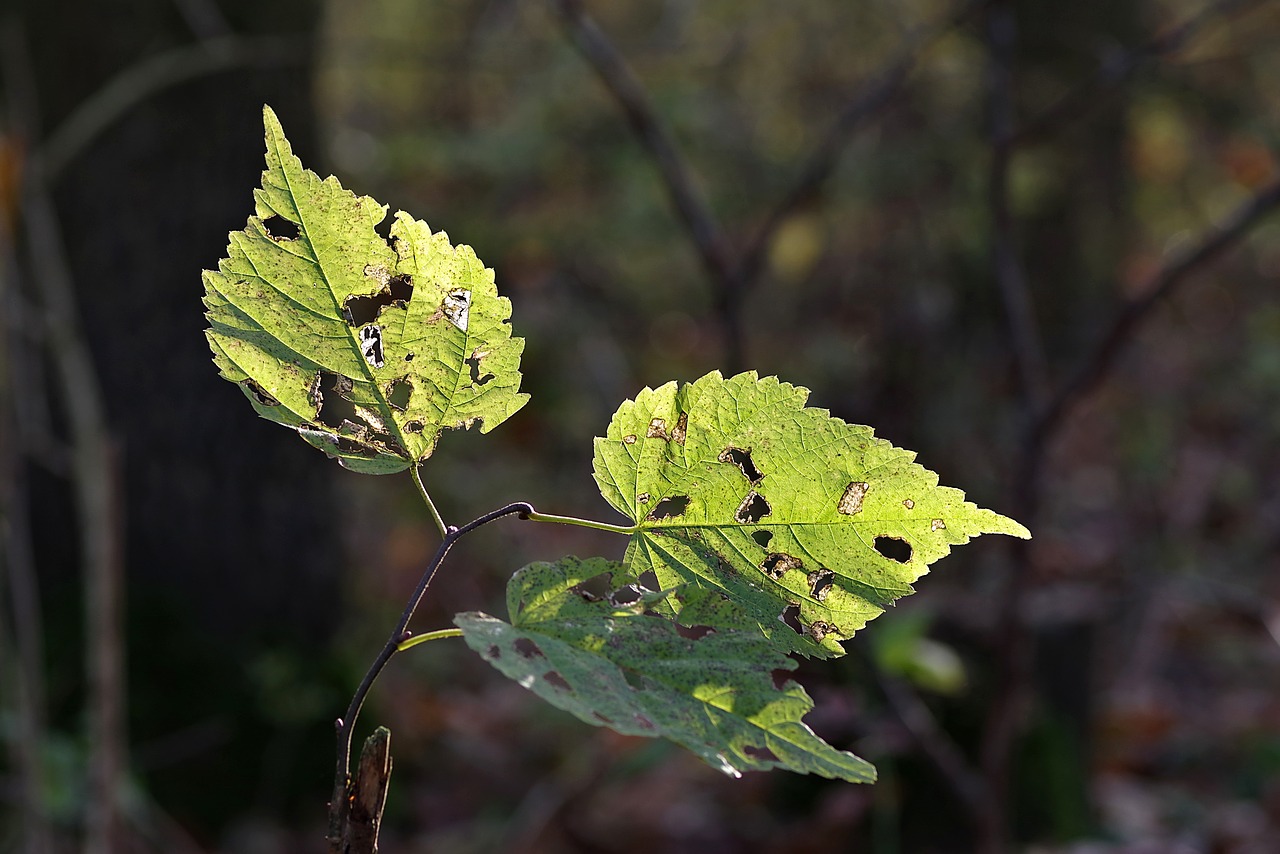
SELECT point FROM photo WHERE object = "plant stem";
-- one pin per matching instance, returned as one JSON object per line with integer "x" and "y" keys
{"x": 431, "y": 505}
{"x": 438, "y": 634}
{"x": 535, "y": 516}
{"x": 346, "y": 724}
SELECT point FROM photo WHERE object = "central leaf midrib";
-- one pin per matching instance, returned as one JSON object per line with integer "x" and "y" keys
{"x": 383, "y": 404}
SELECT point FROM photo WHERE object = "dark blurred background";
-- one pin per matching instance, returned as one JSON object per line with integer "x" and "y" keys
{"x": 1030, "y": 240}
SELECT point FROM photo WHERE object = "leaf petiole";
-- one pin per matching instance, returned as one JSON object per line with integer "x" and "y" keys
{"x": 438, "y": 634}
{"x": 535, "y": 516}
{"x": 431, "y": 505}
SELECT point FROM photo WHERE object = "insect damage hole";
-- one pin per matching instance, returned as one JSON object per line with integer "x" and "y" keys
{"x": 762, "y": 537}
{"x": 851, "y": 502}
{"x": 371, "y": 345}
{"x": 398, "y": 394}
{"x": 473, "y": 362}
{"x": 280, "y": 229}
{"x": 669, "y": 508}
{"x": 742, "y": 459}
{"x": 456, "y": 308}
{"x": 752, "y": 509}
{"x": 359, "y": 310}
{"x": 894, "y": 548}
{"x": 329, "y": 394}
{"x": 820, "y": 581}
{"x": 779, "y": 564}
{"x": 259, "y": 393}
{"x": 790, "y": 617}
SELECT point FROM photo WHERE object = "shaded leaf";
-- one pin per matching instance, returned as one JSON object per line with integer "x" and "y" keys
{"x": 610, "y": 662}
{"x": 367, "y": 349}
{"x": 814, "y": 526}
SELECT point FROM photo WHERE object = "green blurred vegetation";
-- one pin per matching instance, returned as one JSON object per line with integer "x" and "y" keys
{"x": 1150, "y": 610}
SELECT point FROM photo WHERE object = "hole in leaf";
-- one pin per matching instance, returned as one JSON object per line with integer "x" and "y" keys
{"x": 456, "y": 308}
{"x": 742, "y": 459}
{"x": 643, "y": 498}
{"x": 474, "y": 364}
{"x": 557, "y": 681}
{"x": 413, "y": 427}
{"x": 527, "y": 648}
{"x": 820, "y": 581}
{"x": 694, "y": 632}
{"x": 649, "y": 579}
{"x": 851, "y": 501}
{"x": 625, "y": 596}
{"x": 493, "y": 652}
{"x": 761, "y": 754}
{"x": 790, "y": 616}
{"x": 778, "y": 564}
{"x": 408, "y": 357}
{"x": 762, "y": 538}
{"x": 937, "y": 525}
{"x": 371, "y": 345}
{"x": 329, "y": 394}
{"x": 279, "y": 229}
{"x": 383, "y": 229}
{"x": 359, "y": 310}
{"x": 669, "y": 508}
{"x": 259, "y": 393}
{"x": 593, "y": 589}
{"x": 351, "y": 446}
{"x": 752, "y": 509}
{"x": 398, "y": 394}
{"x": 894, "y": 548}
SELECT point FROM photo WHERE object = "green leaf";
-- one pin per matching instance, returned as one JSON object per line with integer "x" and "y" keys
{"x": 367, "y": 349}
{"x": 596, "y": 651}
{"x": 812, "y": 525}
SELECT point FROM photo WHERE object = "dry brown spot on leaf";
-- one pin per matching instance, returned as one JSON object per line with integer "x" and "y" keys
{"x": 779, "y": 563}
{"x": 851, "y": 502}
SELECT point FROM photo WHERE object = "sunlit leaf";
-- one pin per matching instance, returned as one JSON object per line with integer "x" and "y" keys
{"x": 595, "y": 651}
{"x": 812, "y": 525}
{"x": 367, "y": 347}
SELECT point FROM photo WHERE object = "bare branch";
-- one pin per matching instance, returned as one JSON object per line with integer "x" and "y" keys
{"x": 1116, "y": 69}
{"x": 689, "y": 202}
{"x": 933, "y": 742}
{"x": 865, "y": 104}
{"x": 95, "y": 476}
{"x": 150, "y": 77}
{"x": 1100, "y": 361}
{"x": 1024, "y": 334}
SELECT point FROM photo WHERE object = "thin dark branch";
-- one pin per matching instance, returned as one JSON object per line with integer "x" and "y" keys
{"x": 338, "y": 806}
{"x": 690, "y": 204}
{"x": 1117, "y": 68}
{"x": 865, "y": 104}
{"x": 934, "y": 743}
{"x": 150, "y": 77}
{"x": 95, "y": 471}
{"x": 204, "y": 18}
{"x": 1101, "y": 360}
{"x": 1011, "y": 278}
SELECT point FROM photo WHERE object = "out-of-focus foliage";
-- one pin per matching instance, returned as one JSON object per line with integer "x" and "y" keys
{"x": 1151, "y": 596}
